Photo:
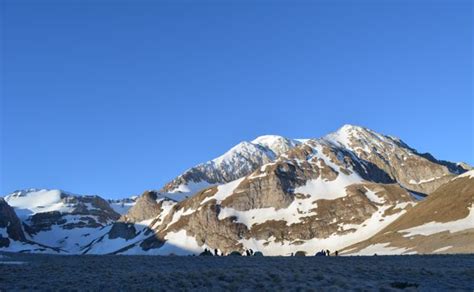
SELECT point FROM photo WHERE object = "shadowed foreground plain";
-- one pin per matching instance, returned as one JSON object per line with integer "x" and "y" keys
{"x": 46, "y": 272}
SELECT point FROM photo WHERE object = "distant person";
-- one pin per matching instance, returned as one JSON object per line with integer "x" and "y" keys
{"x": 216, "y": 252}
{"x": 336, "y": 253}
{"x": 328, "y": 253}
{"x": 291, "y": 255}
{"x": 320, "y": 253}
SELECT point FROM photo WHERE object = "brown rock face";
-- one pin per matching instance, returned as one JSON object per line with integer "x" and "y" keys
{"x": 272, "y": 186}
{"x": 450, "y": 202}
{"x": 145, "y": 208}
{"x": 92, "y": 212}
{"x": 418, "y": 172}
{"x": 122, "y": 230}
{"x": 298, "y": 194}
{"x": 10, "y": 221}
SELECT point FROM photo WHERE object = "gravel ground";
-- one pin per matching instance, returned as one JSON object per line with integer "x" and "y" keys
{"x": 114, "y": 273}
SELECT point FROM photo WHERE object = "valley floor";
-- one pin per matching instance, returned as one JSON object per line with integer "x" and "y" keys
{"x": 112, "y": 273}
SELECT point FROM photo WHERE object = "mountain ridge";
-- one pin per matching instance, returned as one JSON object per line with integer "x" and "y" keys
{"x": 272, "y": 194}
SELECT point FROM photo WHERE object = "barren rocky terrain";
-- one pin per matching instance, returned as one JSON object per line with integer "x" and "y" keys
{"x": 115, "y": 273}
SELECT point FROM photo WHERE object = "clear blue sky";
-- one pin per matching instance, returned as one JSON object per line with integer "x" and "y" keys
{"x": 114, "y": 99}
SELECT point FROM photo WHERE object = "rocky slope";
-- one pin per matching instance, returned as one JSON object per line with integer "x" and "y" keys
{"x": 272, "y": 194}
{"x": 317, "y": 193}
{"x": 443, "y": 223}
{"x": 12, "y": 234}
{"x": 121, "y": 206}
{"x": 61, "y": 220}
{"x": 239, "y": 161}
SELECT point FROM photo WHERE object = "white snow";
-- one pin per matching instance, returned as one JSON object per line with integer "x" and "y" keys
{"x": 371, "y": 195}
{"x": 223, "y": 191}
{"x": 439, "y": 250}
{"x": 468, "y": 174}
{"x": 70, "y": 240}
{"x": 277, "y": 144}
{"x": 187, "y": 190}
{"x": 240, "y": 152}
{"x": 437, "y": 227}
{"x": 179, "y": 243}
{"x": 329, "y": 190}
{"x": 107, "y": 245}
{"x": 178, "y": 214}
{"x": 37, "y": 201}
{"x": 422, "y": 181}
{"x": 382, "y": 249}
{"x": 297, "y": 210}
{"x": 361, "y": 232}
{"x": 122, "y": 207}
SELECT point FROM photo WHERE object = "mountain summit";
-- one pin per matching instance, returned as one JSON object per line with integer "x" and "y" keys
{"x": 273, "y": 194}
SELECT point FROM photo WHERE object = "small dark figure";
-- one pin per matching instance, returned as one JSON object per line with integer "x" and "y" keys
{"x": 336, "y": 253}
{"x": 206, "y": 252}
{"x": 300, "y": 253}
{"x": 251, "y": 252}
{"x": 328, "y": 253}
{"x": 216, "y": 253}
{"x": 320, "y": 253}
{"x": 291, "y": 254}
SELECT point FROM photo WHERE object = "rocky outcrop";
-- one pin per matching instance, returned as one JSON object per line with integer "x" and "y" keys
{"x": 418, "y": 172}
{"x": 87, "y": 211}
{"x": 442, "y": 223}
{"x": 123, "y": 230}
{"x": 10, "y": 223}
{"x": 147, "y": 206}
{"x": 272, "y": 194}
{"x": 274, "y": 207}
{"x": 60, "y": 221}
{"x": 238, "y": 162}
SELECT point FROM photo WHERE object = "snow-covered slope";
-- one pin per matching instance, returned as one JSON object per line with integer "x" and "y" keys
{"x": 280, "y": 195}
{"x": 239, "y": 161}
{"x": 442, "y": 223}
{"x": 403, "y": 164}
{"x": 121, "y": 206}
{"x": 59, "y": 219}
{"x": 272, "y": 194}
{"x": 12, "y": 234}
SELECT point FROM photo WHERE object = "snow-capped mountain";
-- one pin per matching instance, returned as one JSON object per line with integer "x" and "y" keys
{"x": 272, "y": 194}
{"x": 122, "y": 206}
{"x": 386, "y": 156}
{"x": 442, "y": 223}
{"x": 306, "y": 195}
{"x": 12, "y": 234}
{"x": 239, "y": 161}
{"x": 61, "y": 220}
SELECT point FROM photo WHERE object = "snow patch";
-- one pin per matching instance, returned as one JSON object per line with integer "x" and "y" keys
{"x": 37, "y": 201}
{"x": 439, "y": 250}
{"x": 468, "y": 174}
{"x": 329, "y": 190}
{"x": 335, "y": 241}
{"x": 371, "y": 195}
{"x": 223, "y": 191}
{"x": 382, "y": 249}
{"x": 437, "y": 227}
